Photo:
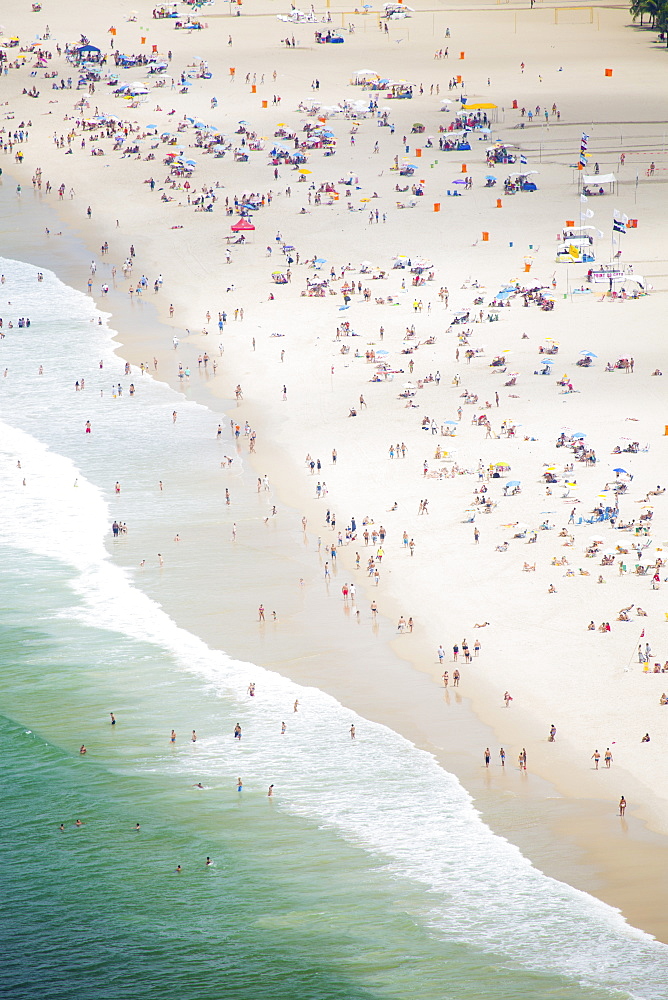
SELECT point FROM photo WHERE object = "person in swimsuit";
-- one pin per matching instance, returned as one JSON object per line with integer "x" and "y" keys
{"x": 488, "y": 757}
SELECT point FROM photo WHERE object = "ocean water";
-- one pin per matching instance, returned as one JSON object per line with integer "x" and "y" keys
{"x": 368, "y": 874}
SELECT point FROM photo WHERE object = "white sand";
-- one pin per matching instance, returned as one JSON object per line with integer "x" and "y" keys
{"x": 537, "y": 646}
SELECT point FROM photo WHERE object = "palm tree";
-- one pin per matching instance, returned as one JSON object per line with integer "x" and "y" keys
{"x": 650, "y": 7}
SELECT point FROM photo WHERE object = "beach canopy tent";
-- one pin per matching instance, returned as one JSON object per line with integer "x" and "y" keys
{"x": 599, "y": 179}
{"x": 242, "y": 226}
{"x": 88, "y": 48}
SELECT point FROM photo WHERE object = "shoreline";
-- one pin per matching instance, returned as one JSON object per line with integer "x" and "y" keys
{"x": 536, "y": 815}
{"x": 584, "y": 813}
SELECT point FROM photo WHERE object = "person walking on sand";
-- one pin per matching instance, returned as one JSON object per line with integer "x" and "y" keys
{"x": 260, "y": 613}
{"x": 446, "y": 678}
{"x": 502, "y": 755}
{"x": 622, "y": 806}
{"x": 455, "y": 678}
{"x": 608, "y": 757}
{"x": 596, "y": 757}
{"x": 352, "y": 732}
{"x": 488, "y": 756}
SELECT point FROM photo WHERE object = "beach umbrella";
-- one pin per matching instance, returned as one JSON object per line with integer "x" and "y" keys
{"x": 547, "y": 361}
{"x": 459, "y": 181}
{"x": 409, "y": 385}
{"x": 449, "y": 422}
{"x": 589, "y": 354}
{"x": 515, "y": 482}
{"x": 490, "y": 177}
{"x": 303, "y": 170}
{"x": 618, "y": 471}
{"x": 381, "y": 352}
{"x": 578, "y": 435}
{"x": 321, "y": 260}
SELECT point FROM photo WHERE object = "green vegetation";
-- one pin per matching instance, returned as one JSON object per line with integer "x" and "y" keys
{"x": 656, "y": 11}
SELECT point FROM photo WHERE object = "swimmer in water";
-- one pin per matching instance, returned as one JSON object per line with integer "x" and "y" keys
{"x": 62, "y": 828}
{"x": 83, "y": 749}
{"x": 178, "y": 869}
{"x": 78, "y": 823}
{"x": 198, "y": 784}
{"x": 240, "y": 785}
{"x": 208, "y": 862}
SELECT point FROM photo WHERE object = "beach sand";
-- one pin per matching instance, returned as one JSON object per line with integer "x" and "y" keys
{"x": 536, "y": 646}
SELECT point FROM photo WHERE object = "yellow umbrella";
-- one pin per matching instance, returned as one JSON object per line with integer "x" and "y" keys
{"x": 303, "y": 170}
{"x": 365, "y": 199}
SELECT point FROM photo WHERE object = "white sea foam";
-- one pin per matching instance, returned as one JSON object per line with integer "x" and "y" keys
{"x": 379, "y": 792}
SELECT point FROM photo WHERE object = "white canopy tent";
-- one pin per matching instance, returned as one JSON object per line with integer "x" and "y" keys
{"x": 599, "y": 179}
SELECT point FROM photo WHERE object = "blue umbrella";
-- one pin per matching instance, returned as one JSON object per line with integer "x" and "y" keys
{"x": 548, "y": 361}
{"x": 515, "y": 482}
{"x": 578, "y": 435}
{"x": 341, "y": 308}
{"x": 490, "y": 177}
{"x": 621, "y": 470}
{"x": 381, "y": 352}
{"x": 450, "y": 421}
{"x": 459, "y": 181}
{"x": 589, "y": 354}
{"x": 320, "y": 260}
